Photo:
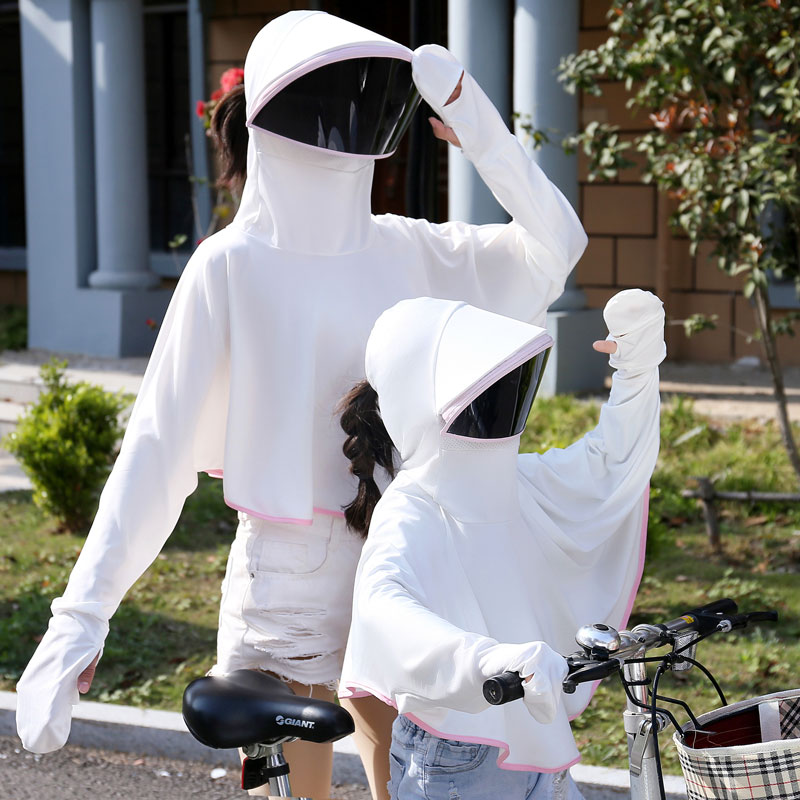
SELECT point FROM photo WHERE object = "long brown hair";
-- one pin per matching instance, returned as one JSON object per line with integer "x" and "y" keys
{"x": 367, "y": 444}
{"x": 230, "y": 134}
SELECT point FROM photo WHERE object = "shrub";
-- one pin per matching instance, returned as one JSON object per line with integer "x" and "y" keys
{"x": 66, "y": 443}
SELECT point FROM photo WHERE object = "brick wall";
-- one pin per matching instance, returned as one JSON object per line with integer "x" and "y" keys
{"x": 630, "y": 245}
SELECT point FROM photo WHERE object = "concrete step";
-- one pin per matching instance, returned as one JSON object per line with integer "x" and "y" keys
{"x": 20, "y": 385}
{"x": 9, "y": 414}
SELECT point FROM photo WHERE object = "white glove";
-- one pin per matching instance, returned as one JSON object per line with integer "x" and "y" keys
{"x": 473, "y": 117}
{"x": 635, "y": 321}
{"x": 48, "y": 688}
{"x": 542, "y": 693}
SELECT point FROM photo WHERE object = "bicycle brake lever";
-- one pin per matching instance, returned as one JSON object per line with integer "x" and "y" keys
{"x": 594, "y": 671}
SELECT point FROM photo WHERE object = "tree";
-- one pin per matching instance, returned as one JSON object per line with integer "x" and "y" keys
{"x": 720, "y": 80}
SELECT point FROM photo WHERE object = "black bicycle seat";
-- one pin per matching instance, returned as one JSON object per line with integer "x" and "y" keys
{"x": 249, "y": 707}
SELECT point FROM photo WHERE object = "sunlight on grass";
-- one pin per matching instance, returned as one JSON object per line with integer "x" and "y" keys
{"x": 164, "y": 633}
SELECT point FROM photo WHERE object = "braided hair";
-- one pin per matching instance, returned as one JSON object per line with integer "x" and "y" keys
{"x": 367, "y": 444}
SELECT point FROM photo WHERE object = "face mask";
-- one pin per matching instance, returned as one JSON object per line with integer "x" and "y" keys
{"x": 359, "y": 106}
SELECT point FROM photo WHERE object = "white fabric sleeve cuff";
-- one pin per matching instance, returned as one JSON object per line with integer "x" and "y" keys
{"x": 635, "y": 321}
{"x": 48, "y": 687}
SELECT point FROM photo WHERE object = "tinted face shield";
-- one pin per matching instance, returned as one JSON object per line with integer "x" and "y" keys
{"x": 360, "y": 106}
{"x": 502, "y": 410}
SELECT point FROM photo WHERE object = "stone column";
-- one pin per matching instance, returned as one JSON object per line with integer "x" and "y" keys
{"x": 120, "y": 138}
{"x": 479, "y": 35}
{"x": 544, "y": 32}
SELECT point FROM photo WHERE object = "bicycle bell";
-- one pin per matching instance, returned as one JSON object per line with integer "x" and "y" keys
{"x": 598, "y": 641}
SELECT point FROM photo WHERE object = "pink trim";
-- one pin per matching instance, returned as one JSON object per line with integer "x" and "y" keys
{"x": 523, "y": 354}
{"x": 369, "y": 50}
{"x": 289, "y": 520}
{"x": 329, "y": 512}
{"x": 355, "y": 690}
{"x": 267, "y": 517}
{"x": 214, "y": 473}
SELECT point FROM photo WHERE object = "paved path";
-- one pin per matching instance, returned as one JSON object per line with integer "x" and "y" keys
{"x": 80, "y": 773}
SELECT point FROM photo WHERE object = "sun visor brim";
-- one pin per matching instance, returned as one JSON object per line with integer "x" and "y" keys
{"x": 476, "y": 348}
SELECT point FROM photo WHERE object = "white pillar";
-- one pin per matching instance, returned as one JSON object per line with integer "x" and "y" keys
{"x": 479, "y": 35}
{"x": 197, "y": 89}
{"x": 120, "y": 137}
{"x": 544, "y": 32}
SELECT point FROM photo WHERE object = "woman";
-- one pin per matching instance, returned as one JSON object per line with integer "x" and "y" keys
{"x": 266, "y": 330}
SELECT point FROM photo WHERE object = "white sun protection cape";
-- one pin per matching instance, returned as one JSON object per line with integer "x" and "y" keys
{"x": 480, "y": 560}
{"x": 267, "y": 329}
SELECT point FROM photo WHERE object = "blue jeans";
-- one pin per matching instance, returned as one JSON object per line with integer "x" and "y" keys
{"x": 425, "y": 767}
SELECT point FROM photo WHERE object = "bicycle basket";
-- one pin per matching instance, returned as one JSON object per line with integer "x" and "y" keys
{"x": 746, "y": 750}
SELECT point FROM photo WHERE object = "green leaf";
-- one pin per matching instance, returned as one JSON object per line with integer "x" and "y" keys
{"x": 712, "y": 37}
{"x": 729, "y": 74}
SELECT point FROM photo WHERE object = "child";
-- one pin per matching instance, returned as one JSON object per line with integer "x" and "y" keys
{"x": 480, "y": 560}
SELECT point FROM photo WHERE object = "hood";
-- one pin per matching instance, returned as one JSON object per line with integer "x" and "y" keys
{"x": 298, "y": 197}
{"x": 298, "y": 42}
{"x": 428, "y": 359}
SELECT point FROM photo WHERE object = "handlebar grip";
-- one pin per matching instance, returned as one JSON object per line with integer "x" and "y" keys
{"x": 723, "y": 606}
{"x": 503, "y": 688}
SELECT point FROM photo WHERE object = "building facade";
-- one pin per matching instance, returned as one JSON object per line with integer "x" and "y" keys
{"x": 104, "y": 164}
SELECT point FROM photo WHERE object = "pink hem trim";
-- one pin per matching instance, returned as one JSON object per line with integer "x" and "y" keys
{"x": 367, "y": 50}
{"x": 354, "y": 691}
{"x": 289, "y": 520}
{"x": 214, "y": 473}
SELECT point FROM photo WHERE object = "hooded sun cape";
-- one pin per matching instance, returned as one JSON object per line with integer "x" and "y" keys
{"x": 474, "y": 546}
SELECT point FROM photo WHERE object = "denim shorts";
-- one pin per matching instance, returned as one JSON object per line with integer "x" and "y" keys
{"x": 425, "y": 767}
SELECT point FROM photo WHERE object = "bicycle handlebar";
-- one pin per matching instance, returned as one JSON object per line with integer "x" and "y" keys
{"x": 721, "y": 615}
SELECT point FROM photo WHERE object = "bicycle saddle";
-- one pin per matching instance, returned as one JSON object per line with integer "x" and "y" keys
{"x": 249, "y": 707}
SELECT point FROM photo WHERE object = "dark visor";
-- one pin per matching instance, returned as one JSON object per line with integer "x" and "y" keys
{"x": 502, "y": 410}
{"x": 360, "y": 106}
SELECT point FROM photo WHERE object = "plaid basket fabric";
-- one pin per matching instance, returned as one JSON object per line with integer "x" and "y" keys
{"x": 764, "y": 770}
{"x": 773, "y": 774}
{"x": 790, "y": 718}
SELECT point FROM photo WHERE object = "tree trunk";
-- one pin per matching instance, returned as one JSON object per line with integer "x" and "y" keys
{"x": 763, "y": 319}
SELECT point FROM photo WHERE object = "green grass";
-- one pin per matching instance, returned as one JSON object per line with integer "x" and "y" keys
{"x": 164, "y": 633}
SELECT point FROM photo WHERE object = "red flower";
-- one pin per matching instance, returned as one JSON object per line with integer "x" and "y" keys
{"x": 216, "y": 94}
{"x": 200, "y": 109}
{"x": 230, "y": 78}
{"x": 151, "y": 323}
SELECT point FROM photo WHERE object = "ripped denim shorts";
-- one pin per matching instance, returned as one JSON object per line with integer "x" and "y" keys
{"x": 287, "y": 598}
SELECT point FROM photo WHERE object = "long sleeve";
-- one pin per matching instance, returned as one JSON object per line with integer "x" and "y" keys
{"x": 412, "y": 656}
{"x": 520, "y": 267}
{"x": 588, "y": 503}
{"x": 176, "y": 429}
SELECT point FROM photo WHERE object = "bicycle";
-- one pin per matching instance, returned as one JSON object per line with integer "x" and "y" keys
{"x": 259, "y": 713}
{"x": 606, "y": 651}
